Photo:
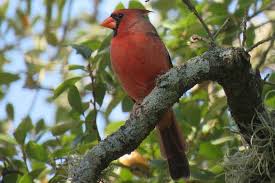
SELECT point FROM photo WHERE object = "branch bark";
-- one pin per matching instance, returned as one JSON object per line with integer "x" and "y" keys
{"x": 230, "y": 67}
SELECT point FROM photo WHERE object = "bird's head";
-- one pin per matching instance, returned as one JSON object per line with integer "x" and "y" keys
{"x": 124, "y": 19}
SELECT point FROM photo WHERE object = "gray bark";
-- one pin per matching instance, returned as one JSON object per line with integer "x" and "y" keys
{"x": 230, "y": 67}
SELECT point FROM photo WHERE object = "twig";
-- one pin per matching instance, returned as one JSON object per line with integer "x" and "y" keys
{"x": 95, "y": 9}
{"x": 261, "y": 42}
{"x": 65, "y": 30}
{"x": 268, "y": 83}
{"x": 93, "y": 101}
{"x": 263, "y": 58}
{"x": 221, "y": 28}
{"x": 266, "y": 77}
{"x": 193, "y": 9}
{"x": 243, "y": 29}
{"x": 195, "y": 38}
{"x": 33, "y": 101}
{"x": 268, "y": 7}
{"x": 264, "y": 23}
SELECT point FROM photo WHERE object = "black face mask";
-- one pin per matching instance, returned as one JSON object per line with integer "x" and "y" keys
{"x": 117, "y": 18}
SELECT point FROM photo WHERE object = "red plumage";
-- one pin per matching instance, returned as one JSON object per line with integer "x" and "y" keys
{"x": 138, "y": 57}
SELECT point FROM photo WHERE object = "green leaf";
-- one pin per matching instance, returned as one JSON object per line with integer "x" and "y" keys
{"x": 200, "y": 174}
{"x": 36, "y": 172}
{"x": 92, "y": 44}
{"x": 127, "y": 104}
{"x": 37, "y": 151}
{"x": 10, "y": 178}
{"x": 250, "y": 34}
{"x": 40, "y": 125}
{"x": 125, "y": 175}
{"x": 60, "y": 173}
{"x": 210, "y": 151}
{"x": 116, "y": 98}
{"x": 215, "y": 108}
{"x": 191, "y": 112}
{"x": 83, "y": 50}
{"x": 10, "y": 111}
{"x": 112, "y": 127}
{"x": 65, "y": 85}
{"x": 60, "y": 153}
{"x": 51, "y": 38}
{"x": 100, "y": 90}
{"x": 106, "y": 42}
{"x": 21, "y": 131}
{"x": 76, "y": 67}
{"x": 25, "y": 179}
{"x": 6, "y": 78}
{"x": 136, "y": 4}
{"x": 75, "y": 99}
{"x": 61, "y": 128}
{"x": 8, "y": 139}
{"x": 120, "y": 6}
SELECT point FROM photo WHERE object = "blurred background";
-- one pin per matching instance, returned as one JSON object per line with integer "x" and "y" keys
{"x": 58, "y": 95}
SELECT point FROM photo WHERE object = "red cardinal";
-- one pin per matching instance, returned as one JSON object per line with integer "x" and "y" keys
{"x": 138, "y": 57}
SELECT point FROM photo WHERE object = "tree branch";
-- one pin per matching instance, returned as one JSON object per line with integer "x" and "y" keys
{"x": 192, "y": 8}
{"x": 267, "y": 7}
{"x": 228, "y": 66}
{"x": 261, "y": 42}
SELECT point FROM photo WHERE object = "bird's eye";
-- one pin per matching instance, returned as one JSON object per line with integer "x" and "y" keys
{"x": 117, "y": 17}
{"x": 120, "y": 15}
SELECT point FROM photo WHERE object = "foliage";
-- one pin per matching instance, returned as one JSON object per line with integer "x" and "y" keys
{"x": 88, "y": 93}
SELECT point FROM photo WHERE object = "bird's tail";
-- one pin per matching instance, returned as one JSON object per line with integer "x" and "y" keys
{"x": 173, "y": 146}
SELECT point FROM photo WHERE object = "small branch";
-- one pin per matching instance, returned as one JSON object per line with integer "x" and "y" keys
{"x": 95, "y": 9}
{"x": 243, "y": 29}
{"x": 195, "y": 38}
{"x": 264, "y": 23}
{"x": 263, "y": 58}
{"x": 193, "y": 9}
{"x": 261, "y": 42}
{"x": 267, "y": 7}
{"x": 268, "y": 83}
{"x": 221, "y": 28}
{"x": 33, "y": 101}
{"x": 93, "y": 101}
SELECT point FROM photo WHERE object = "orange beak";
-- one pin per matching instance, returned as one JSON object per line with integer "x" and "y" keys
{"x": 109, "y": 23}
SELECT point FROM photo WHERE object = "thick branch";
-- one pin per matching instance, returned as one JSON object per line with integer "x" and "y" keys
{"x": 228, "y": 66}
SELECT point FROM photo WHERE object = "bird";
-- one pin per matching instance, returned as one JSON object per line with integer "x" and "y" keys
{"x": 138, "y": 58}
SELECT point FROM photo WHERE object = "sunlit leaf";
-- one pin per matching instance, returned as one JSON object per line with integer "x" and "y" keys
{"x": 120, "y": 6}
{"x": 65, "y": 85}
{"x": 25, "y": 179}
{"x": 7, "y": 78}
{"x": 92, "y": 44}
{"x": 136, "y": 4}
{"x": 210, "y": 151}
{"x": 62, "y": 127}
{"x": 112, "y": 127}
{"x": 21, "y": 131}
{"x": 37, "y": 151}
{"x": 7, "y": 138}
{"x": 76, "y": 67}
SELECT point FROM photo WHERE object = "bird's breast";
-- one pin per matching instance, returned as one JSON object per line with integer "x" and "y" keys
{"x": 137, "y": 60}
